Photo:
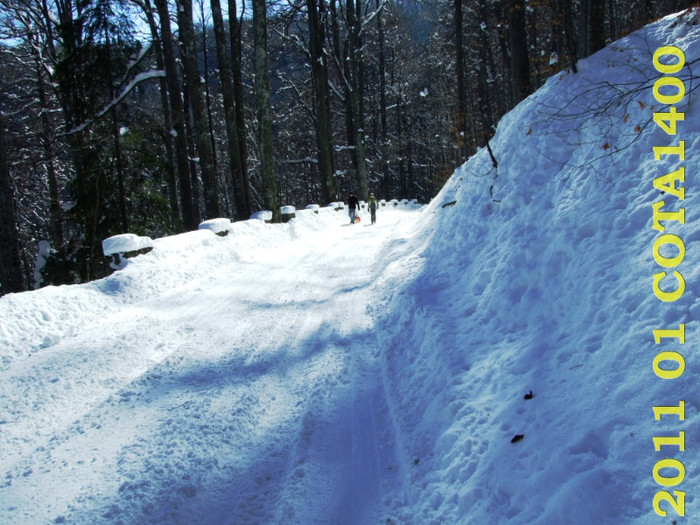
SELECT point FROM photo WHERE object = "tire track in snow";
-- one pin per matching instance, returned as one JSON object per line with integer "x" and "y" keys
{"x": 343, "y": 468}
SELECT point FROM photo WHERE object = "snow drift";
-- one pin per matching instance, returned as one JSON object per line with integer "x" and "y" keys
{"x": 538, "y": 278}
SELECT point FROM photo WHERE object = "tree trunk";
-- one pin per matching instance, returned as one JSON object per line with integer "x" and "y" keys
{"x": 241, "y": 191}
{"x": 461, "y": 79}
{"x": 11, "y": 275}
{"x": 596, "y": 26}
{"x": 167, "y": 116}
{"x": 199, "y": 112}
{"x": 569, "y": 35}
{"x": 520, "y": 64}
{"x": 238, "y": 94}
{"x": 319, "y": 75}
{"x": 116, "y": 137}
{"x": 175, "y": 96}
{"x": 205, "y": 76}
{"x": 355, "y": 85}
{"x": 485, "y": 94}
{"x": 384, "y": 173}
{"x": 262, "y": 99}
{"x": 55, "y": 211}
{"x": 192, "y": 154}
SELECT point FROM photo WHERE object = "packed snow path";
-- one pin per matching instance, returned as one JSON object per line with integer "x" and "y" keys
{"x": 250, "y": 393}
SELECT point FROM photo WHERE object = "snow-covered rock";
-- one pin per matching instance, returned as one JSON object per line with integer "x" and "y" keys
{"x": 125, "y": 243}
{"x": 219, "y": 226}
{"x": 263, "y": 215}
{"x": 287, "y": 213}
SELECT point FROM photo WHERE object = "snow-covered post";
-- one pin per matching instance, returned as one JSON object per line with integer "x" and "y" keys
{"x": 125, "y": 245}
{"x": 288, "y": 213}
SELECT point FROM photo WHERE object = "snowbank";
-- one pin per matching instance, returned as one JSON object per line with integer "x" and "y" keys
{"x": 538, "y": 278}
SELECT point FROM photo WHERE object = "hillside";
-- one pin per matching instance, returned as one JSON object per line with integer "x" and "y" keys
{"x": 317, "y": 372}
{"x": 539, "y": 278}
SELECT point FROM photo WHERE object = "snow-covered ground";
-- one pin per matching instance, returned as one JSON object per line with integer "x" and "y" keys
{"x": 217, "y": 379}
{"x": 317, "y": 372}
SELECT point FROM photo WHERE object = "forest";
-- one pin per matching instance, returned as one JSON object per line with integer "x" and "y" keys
{"x": 150, "y": 116}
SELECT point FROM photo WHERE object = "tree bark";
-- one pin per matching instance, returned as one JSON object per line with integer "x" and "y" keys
{"x": 484, "y": 97}
{"x": 205, "y": 76}
{"x": 11, "y": 275}
{"x": 569, "y": 35}
{"x": 319, "y": 76}
{"x": 55, "y": 212}
{"x": 262, "y": 99}
{"x": 520, "y": 64}
{"x": 175, "y": 97}
{"x": 461, "y": 78}
{"x": 596, "y": 26}
{"x": 116, "y": 137}
{"x": 241, "y": 190}
{"x": 167, "y": 115}
{"x": 238, "y": 94}
{"x": 355, "y": 93}
{"x": 199, "y": 114}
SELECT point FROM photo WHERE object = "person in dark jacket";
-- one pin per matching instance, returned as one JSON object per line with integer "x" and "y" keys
{"x": 353, "y": 204}
{"x": 372, "y": 206}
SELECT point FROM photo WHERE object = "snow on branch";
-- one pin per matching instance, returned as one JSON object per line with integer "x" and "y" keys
{"x": 372, "y": 16}
{"x": 141, "y": 77}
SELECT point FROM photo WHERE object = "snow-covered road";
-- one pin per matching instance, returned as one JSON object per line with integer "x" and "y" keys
{"x": 247, "y": 389}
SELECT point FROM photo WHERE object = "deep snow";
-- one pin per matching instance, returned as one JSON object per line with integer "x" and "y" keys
{"x": 217, "y": 379}
{"x": 317, "y": 372}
